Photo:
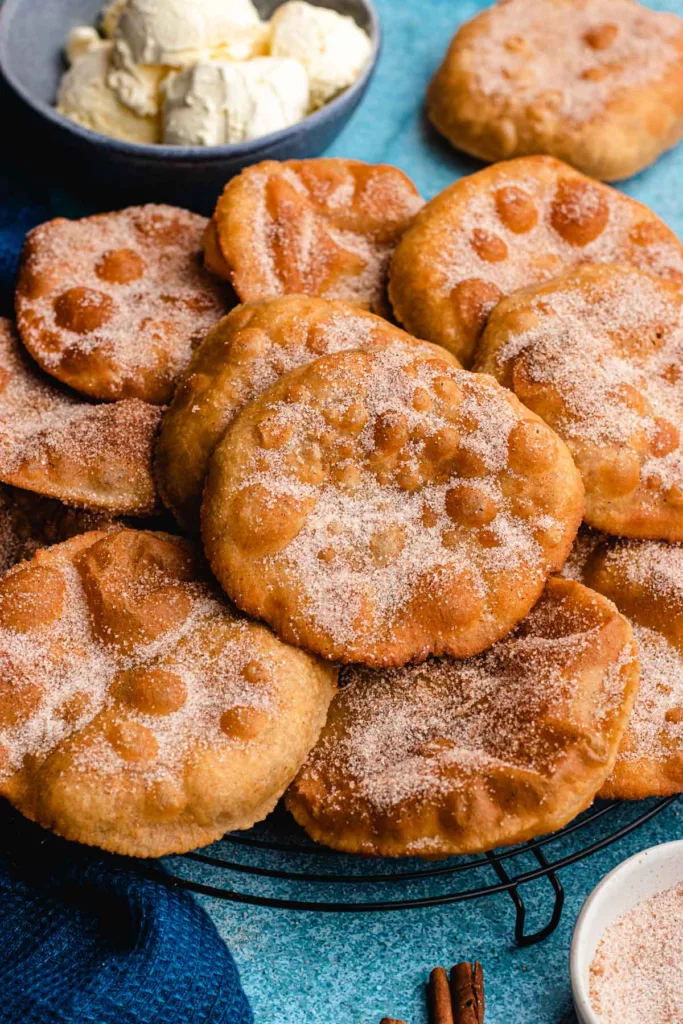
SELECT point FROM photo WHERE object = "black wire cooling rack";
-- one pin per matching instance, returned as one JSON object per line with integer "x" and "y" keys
{"x": 279, "y": 867}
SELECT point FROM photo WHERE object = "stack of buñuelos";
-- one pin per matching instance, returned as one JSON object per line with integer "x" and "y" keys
{"x": 355, "y": 596}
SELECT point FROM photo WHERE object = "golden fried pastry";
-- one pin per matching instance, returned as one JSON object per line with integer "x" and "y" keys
{"x": 457, "y": 757}
{"x": 383, "y": 506}
{"x": 598, "y": 354}
{"x": 245, "y": 352}
{"x": 316, "y": 227}
{"x": 138, "y": 711}
{"x": 54, "y": 443}
{"x": 645, "y": 581}
{"x": 598, "y": 83}
{"x": 114, "y": 304}
{"x": 510, "y": 226}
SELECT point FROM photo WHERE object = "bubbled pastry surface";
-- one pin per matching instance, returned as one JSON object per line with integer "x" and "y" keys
{"x": 324, "y": 227}
{"x": 246, "y": 352}
{"x": 115, "y": 304}
{"x": 455, "y": 757}
{"x": 383, "y": 506}
{"x": 598, "y": 83}
{"x": 598, "y": 354}
{"x": 98, "y": 457}
{"x": 138, "y": 711}
{"x": 645, "y": 581}
{"x": 515, "y": 224}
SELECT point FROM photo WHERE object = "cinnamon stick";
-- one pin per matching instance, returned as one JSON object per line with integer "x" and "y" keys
{"x": 391, "y": 1020}
{"x": 439, "y": 997}
{"x": 467, "y": 993}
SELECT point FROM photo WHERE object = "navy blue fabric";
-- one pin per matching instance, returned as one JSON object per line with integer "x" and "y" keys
{"x": 85, "y": 938}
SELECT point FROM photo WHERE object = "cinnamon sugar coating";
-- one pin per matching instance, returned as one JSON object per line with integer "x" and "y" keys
{"x": 598, "y": 354}
{"x": 383, "y": 506}
{"x": 114, "y": 304}
{"x": 52, "y": 442}
{"x": 512, "y": 225}
{"x": 645, "y": 581}
{"x": 246, "y": 352}
{"x": 598, "y": 83}
{"x": 138, "y": 711}
{"x": 325, "y": 227}
{"x": 454, "y": 757}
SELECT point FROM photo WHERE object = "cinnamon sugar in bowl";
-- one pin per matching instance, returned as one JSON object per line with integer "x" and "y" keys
{"x": 625, "y": 950}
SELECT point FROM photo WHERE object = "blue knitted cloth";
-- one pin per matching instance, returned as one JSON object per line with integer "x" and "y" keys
{"x": 87, "y": 939}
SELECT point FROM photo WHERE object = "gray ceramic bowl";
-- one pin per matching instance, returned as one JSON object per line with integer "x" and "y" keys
{"x": 32, "y": 37}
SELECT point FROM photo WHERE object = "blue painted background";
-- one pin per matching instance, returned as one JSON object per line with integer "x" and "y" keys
{"x": 303, "y": 968}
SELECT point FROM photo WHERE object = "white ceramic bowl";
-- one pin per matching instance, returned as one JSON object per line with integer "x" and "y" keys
{"x": 638, "y": 878}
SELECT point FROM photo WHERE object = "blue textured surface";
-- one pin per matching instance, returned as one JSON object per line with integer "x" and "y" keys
{"x": 87, "y": 940}
{"x": 302, "y": 968}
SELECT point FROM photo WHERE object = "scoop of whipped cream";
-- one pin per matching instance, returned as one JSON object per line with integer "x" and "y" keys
{"x": 84, "y": 96}
{"x": 212, "y": 103}
{"x": 331, "y": 46}
{"x": 153, "y": 36}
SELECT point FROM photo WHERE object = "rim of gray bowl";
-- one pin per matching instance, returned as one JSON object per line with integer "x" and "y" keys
{"x": 191, "y": 154}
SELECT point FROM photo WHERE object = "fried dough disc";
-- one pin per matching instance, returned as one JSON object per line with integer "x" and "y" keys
{"x": 509, "y": 226}
{"x": 245, "y": 352}
{"x": 138, "y": 711}
{"x": 383, "y": 506}
{"x": 645, "y": 581}
{"x": 598, "y": 354}
{"x": 458, "y": 757}
{"x": 54, "y": 443}
{"x": 324, "y": 227}
{"x": 114, "y": 304}
{"x": 598, "y": 83}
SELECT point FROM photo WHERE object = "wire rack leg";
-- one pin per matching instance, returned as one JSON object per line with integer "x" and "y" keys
{"x": 521, "y": 938}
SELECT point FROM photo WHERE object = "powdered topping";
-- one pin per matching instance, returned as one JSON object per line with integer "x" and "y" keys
{"x": 636, "y": 976}
{"x": 400, "y": 475}
{"x": 568, "y": 58}
{"x": 645, "y": 580}
{"x": 244, "y": 354}
{"x": 655, "y": 568}
{"x": 53, "y": 442}
{"x": 337, "y": 333}
{"x": 583, "y": 222}
{"x": 114, "y": 304}
{"x": 598, "y": 356}
{"x": 144, "y": 682}
{"x": 317, "y": 227}
{"x": 422, "y": 733}
{"x": 655, "y": 731}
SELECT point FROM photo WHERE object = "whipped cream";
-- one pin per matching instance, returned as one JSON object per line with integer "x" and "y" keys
{"x": 331, "y": 46}
{"x": 85, "y": 97}
{"x": 212, "y": 103}
{"x": 154, "y": 36}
